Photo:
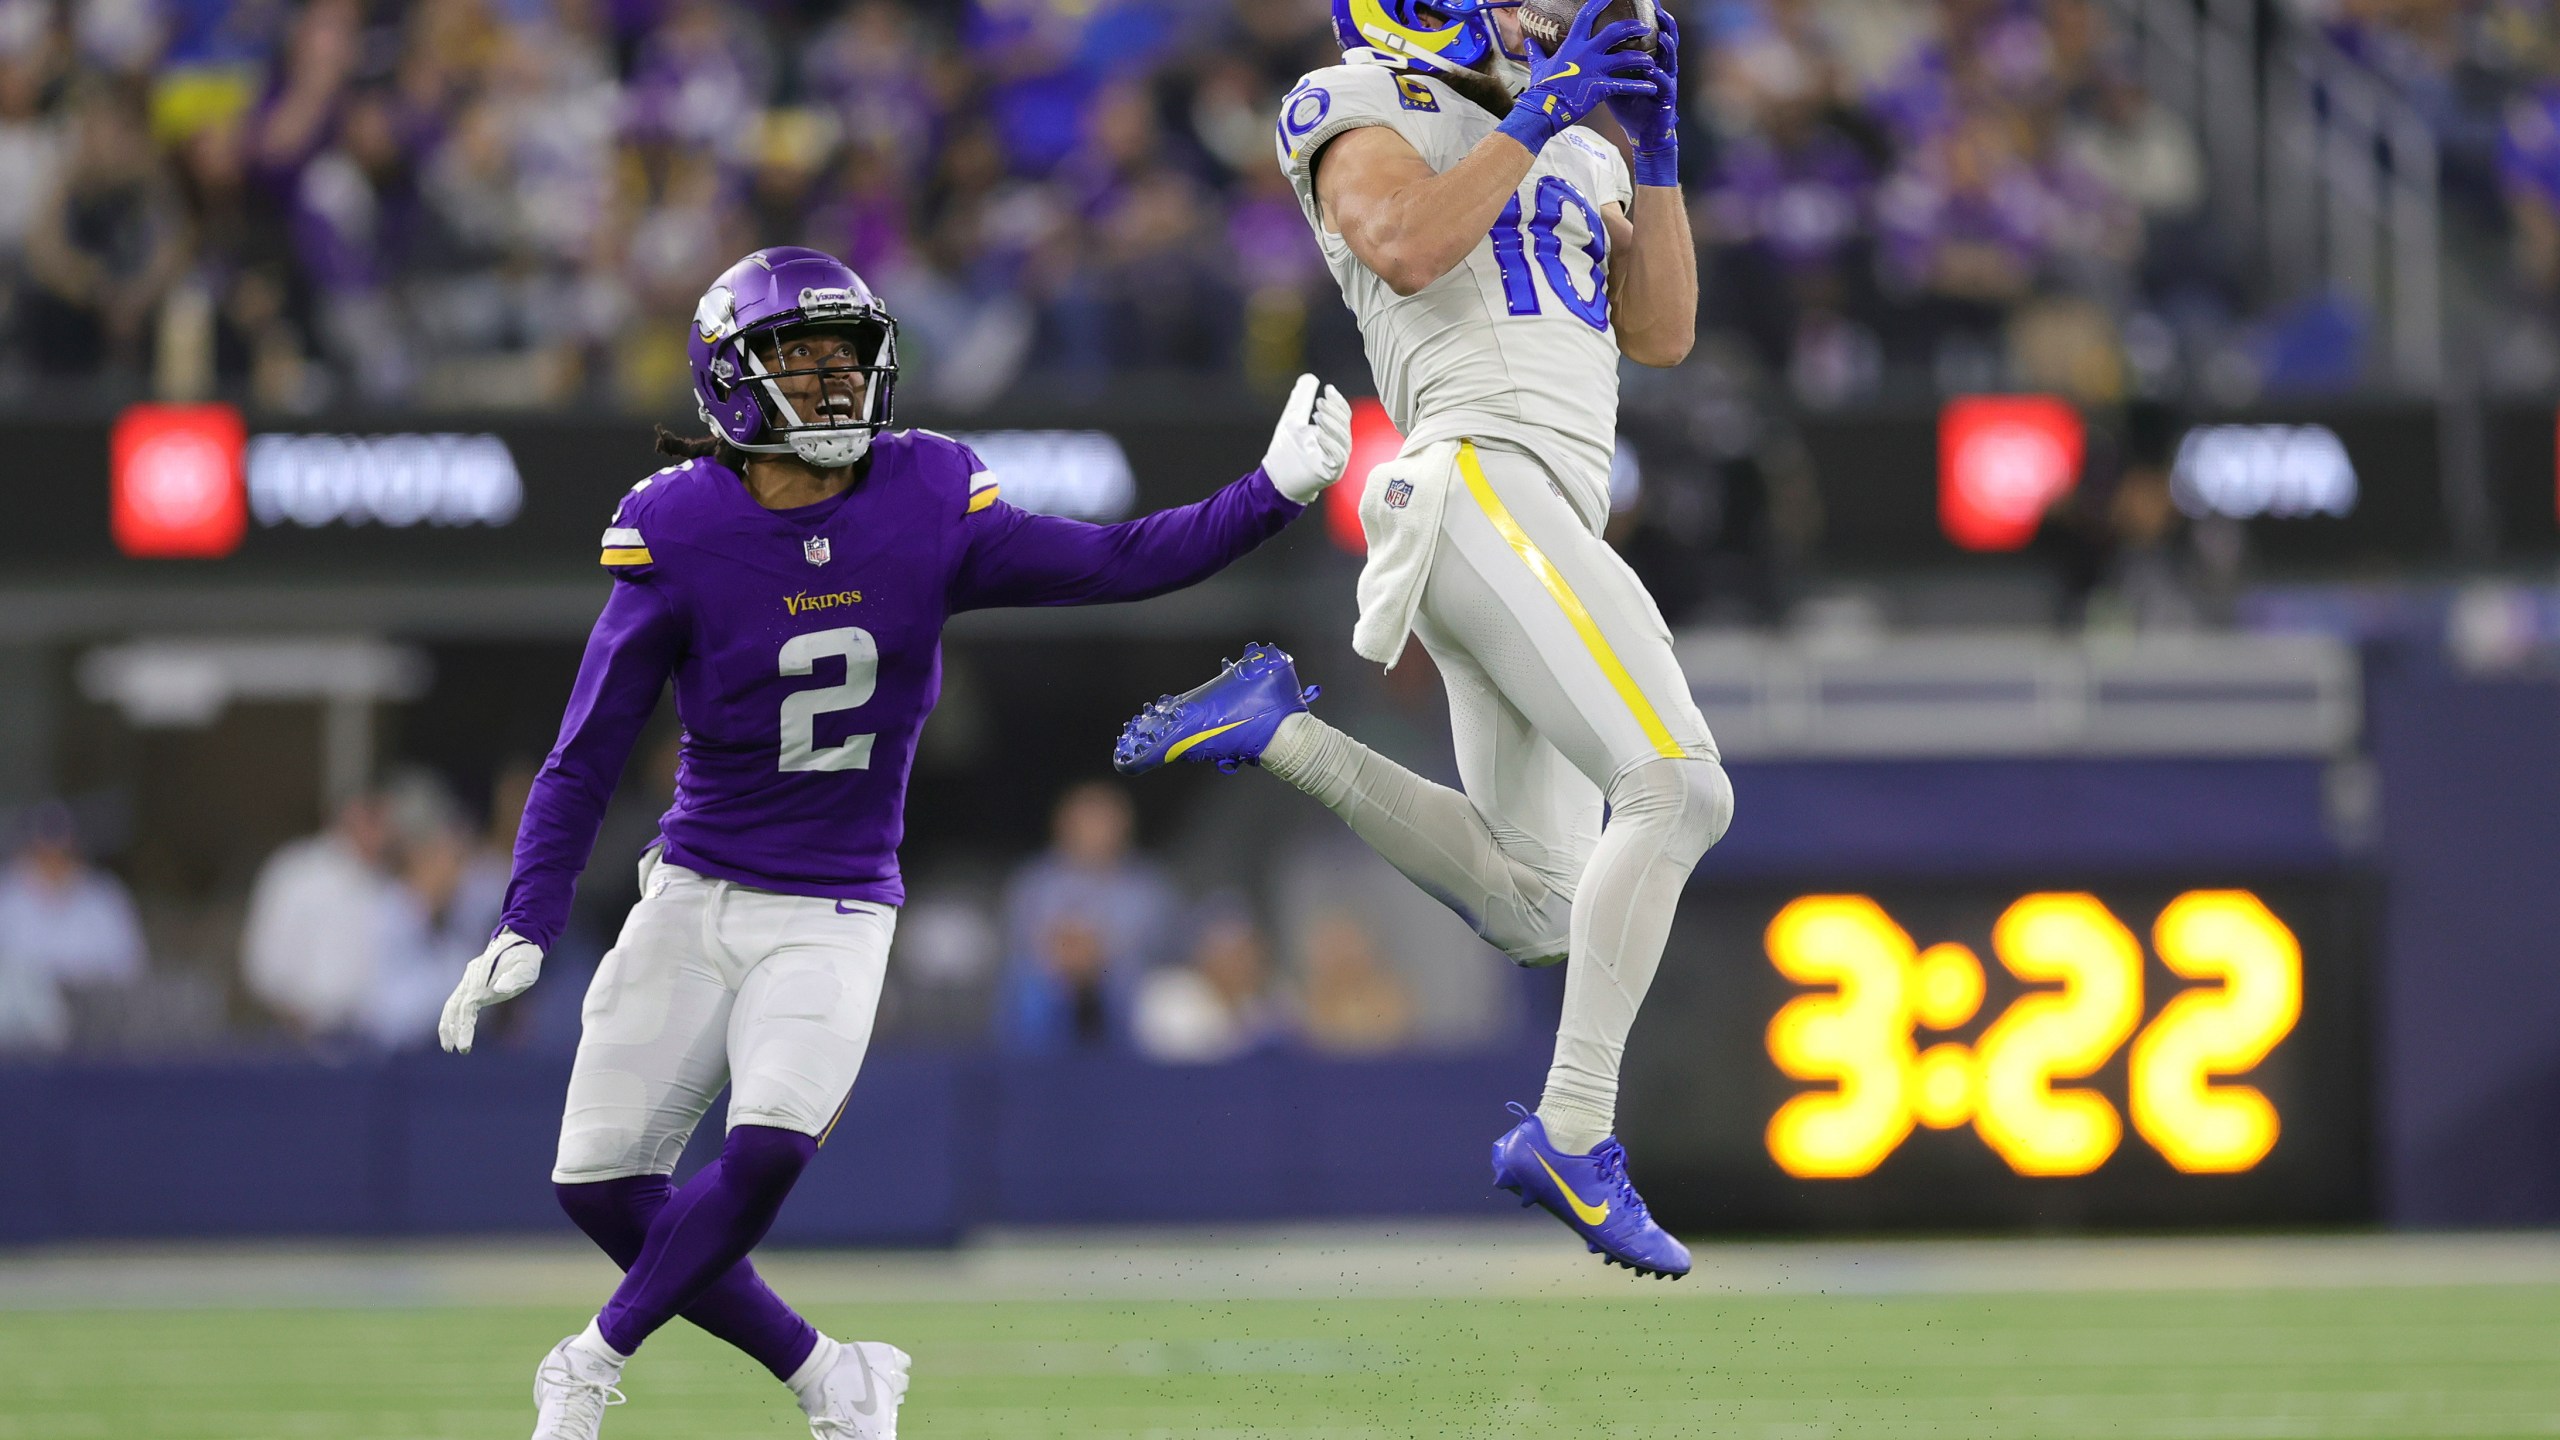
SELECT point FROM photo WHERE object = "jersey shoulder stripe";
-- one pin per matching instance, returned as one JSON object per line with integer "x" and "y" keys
{"x": 646, "y": 506}
{"x": 945, "y": 459}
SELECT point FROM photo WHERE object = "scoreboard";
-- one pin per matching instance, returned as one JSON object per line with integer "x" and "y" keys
{"x": 1977, "y": 1054}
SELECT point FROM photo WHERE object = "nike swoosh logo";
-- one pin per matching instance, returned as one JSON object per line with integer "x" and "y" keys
{"x": 1188, "y": 741}
{"x": 858, "y": 908}
{"x": 1591, "y": 1214}
{"x": 1570, "y": 68}
{"x": 870, "y": 1400}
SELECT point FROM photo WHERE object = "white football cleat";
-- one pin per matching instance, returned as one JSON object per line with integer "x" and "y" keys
{"x": 858, "y": 1397}
{"x": 570, "y": 1392}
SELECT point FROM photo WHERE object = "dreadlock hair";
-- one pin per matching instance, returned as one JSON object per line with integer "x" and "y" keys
{"x": 697, "y": 447}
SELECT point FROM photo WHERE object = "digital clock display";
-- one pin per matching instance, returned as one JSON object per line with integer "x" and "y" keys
{"x": 1879, "y": 991}
{"x": 1999, "y": 1054}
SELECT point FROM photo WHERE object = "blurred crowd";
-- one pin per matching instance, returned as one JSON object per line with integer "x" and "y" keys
{"x": 516, "y": 202}
{"x": 2485, "y": 76}
{"x": 354, "y": 935}
{"x": 1960, "y": 195}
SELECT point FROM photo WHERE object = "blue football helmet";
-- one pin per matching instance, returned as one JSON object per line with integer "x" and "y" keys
{"x": 1444, "y": 36}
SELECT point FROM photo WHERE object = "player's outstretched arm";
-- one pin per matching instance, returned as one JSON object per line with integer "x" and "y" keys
{"x": 1013, "y": 557}
{"x": 1411, "y": 224}
{"x": 1653, "y": 264}
{"x": 630, "y": 653}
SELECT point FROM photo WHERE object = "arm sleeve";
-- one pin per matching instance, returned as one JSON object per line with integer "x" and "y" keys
{"x": 631, "y": 652}
{"x": 1010, "y": 556}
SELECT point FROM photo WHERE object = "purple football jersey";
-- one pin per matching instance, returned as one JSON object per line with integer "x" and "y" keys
{"x": 806, "y": 650}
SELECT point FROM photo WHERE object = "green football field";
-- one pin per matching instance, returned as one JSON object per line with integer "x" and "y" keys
{"x": 1303, "y": 1336}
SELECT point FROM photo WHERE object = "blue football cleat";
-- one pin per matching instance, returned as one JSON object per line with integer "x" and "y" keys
{"x": 1226, "y": 721}
{"x": 1590, "y": 1193}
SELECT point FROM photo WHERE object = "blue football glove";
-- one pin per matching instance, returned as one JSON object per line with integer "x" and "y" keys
{"x": 1585, "y": 70}
{"x": 1652, "y": 121}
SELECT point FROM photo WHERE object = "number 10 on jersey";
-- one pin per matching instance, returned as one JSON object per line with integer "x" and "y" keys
{"x": 1514, "y": 243}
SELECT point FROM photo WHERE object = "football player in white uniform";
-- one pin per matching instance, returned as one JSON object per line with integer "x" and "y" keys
{"x": 1500, "y": 261}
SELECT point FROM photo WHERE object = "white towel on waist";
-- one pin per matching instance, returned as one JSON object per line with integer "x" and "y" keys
{"x": 1400, "y": 513}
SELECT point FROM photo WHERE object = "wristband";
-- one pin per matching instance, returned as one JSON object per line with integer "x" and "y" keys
{"x": 1532, "y": 127}
{"x": 1659, "y": 166}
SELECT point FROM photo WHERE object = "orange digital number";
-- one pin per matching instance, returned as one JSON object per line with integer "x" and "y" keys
{"x": 2230, "y": 936}
{"x": 2061, "y": 1034}
{"x": 1858, "y": 1036}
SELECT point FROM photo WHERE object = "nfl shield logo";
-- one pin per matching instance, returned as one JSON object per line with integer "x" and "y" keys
{"x": 1399, "y": 493}
{"x": 815, "y": 551}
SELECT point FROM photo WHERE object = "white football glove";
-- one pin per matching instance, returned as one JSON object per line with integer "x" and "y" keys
{"x": 1312, "y": 444}
{"x": 504, "y": 971}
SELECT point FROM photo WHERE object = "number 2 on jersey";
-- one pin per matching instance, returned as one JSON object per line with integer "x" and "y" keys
{"x": 1513, "y": 243}
{"x": 801, "y": 709}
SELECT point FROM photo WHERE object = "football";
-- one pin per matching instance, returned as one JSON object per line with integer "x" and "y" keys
{"x": 1545, "y": 21}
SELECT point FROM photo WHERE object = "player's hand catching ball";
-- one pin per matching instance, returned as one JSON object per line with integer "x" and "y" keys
{"x": 1312, "y": 444}
{"x": 1652, "y": 119}
{"x": 504, "y": 971}
{"x": 1585, "y": 69}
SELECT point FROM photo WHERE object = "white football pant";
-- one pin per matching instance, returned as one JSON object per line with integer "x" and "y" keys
{"x": 715, "y": 983}
{"x": 1564, "y": 694}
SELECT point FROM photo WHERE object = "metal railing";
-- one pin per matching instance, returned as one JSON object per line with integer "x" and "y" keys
{"x": 1999, "y": 693}
{"x": 2326, "y": 174}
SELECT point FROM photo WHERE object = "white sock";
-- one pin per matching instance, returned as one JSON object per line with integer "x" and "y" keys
{"x": 822, "y": 1358}
{"x": 591, "y": 1340}
{"x": 1434, "y": 834}
{"x": 1663, "y": 814}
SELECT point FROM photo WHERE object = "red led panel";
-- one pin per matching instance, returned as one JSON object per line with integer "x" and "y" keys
{"x": 1374, "y": 441}
{"x": 2002, "y": 460}
{"x": 175, "y": 486}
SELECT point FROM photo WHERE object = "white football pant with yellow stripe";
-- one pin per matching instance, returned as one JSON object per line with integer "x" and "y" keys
{"x": 1563, "y": 694}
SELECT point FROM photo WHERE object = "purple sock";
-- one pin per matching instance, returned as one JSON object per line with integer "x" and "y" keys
{"x": 685, "y": 1250}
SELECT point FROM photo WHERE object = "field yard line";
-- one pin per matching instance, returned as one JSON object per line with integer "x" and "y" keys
{"x": 1416, "y": 1262}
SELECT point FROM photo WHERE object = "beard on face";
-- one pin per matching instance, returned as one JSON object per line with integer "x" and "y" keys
{"x": 1481, "y": 87}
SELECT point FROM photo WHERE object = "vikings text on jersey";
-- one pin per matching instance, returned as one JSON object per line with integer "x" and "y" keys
{"x": 806, "y": 650}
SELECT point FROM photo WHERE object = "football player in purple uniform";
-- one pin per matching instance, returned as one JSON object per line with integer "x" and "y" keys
{"x": 792, "y": 578}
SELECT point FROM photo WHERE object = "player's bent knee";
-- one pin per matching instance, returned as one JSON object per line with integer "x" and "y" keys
{"x": 1535, "y": 932}
{"x": 766, "y": 1160}
{"x": 615, "y": 1213}
{"x": 1687, "y": 803}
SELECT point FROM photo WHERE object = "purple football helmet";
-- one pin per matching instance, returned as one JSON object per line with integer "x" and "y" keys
{"x": 770, "y": 292}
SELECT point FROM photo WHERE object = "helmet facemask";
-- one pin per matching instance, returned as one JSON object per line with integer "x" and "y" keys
{"x": 1506, "y": 58}
{"x": 839, "y": 356}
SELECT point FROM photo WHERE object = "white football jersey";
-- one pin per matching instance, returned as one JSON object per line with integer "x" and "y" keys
{"x": 1516, "y": 343}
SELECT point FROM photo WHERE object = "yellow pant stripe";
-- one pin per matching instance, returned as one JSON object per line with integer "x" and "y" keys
{"x": 1570, "y": 603}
